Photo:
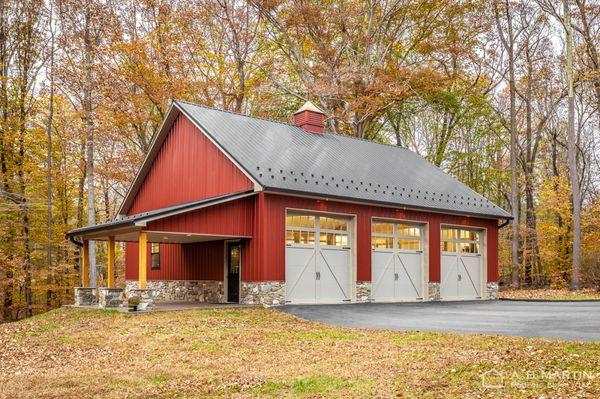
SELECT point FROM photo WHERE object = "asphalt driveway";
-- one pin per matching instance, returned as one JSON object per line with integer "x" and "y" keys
{"x": 562, "y": 320}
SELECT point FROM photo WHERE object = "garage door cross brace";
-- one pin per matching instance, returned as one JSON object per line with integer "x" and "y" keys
{"x": 302, "y": 272}
{"x": 469, "y": 275}
{"x": 408, "y": 275}
{"x": 333, "y": 274}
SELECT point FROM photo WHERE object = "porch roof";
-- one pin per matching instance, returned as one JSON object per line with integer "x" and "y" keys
{"x": 127, "y": 228}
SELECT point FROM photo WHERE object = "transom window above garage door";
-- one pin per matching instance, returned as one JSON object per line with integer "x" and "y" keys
{"x": 406, "y": 236}
{"x": 302, "y": 229}
{"x": 460, "y": 240}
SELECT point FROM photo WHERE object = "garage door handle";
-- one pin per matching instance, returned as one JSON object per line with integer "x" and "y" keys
{"x": 318, "y": 275}
{"x": 396, "y": 276}
{"x": 459, "y": 277}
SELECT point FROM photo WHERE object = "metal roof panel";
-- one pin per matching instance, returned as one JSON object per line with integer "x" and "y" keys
{"x": 286, "y": 157}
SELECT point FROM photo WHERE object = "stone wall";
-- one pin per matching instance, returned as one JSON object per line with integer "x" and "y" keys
{"x": 85, "y": 296}
{"x": 210, "y": 291}
{"x": 433, "y": 291}
{"x": 267, "y": 293}
{"x": 109, "y": 297}
{"x": 363, "y": 291}
{"x": 492, "y": 291}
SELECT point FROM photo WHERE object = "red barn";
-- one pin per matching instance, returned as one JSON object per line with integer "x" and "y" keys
{"x": 233, "y": 208}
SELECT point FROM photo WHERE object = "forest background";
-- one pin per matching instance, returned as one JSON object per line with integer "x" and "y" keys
{"x": 502, "y": 94}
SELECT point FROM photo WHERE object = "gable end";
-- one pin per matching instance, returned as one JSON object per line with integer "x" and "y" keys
{"x": 183, "y": 164}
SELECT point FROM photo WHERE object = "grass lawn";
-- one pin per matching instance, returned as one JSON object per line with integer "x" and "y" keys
{"x": 551, "y": 294}
{"x": 251, "y": 352}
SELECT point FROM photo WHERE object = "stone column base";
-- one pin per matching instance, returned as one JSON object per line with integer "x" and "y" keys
{"x": 146, "y": 297}
{"x": 433, "y": 291}
{"x": 85, "y": 296}
{"x": 363, "y": 291}
{"x": 267, "y": 293}
{"x": 492, "y": 291}
{"x": 109, "y": 297}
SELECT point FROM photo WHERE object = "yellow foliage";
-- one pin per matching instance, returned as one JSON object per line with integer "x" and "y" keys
{"x": 554, "y": 230}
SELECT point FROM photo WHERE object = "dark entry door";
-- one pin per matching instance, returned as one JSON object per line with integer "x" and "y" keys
{"x": 234, "y": 250}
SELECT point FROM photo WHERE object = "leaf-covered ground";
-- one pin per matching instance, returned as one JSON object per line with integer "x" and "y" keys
{"x": 251, "y": 352}
{"x": 551, "y": 294}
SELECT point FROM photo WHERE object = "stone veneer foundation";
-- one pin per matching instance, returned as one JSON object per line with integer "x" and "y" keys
{"x": 363, "y": 291}
{"x": 492, "y": 291}
{"x": 210, "y": 291}
{"x": 85, "y": 296}
{"x": 268, "y": 293}
{"x": 433, "y": 291}
{"x": 109, "y": 297}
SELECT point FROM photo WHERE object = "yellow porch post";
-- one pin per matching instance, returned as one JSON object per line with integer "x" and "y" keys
{"x": 142, "y": 259}
{"x": 85, "y": 264}
{"x": 110, "y": 269}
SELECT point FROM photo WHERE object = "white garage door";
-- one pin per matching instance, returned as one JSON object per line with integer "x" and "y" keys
{"x": 318, "y": 259}
{"x": 396, "y": 262}
{"x": 461, "y": 265}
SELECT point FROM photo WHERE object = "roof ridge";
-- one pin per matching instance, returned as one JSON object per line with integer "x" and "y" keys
{"x": 289, "y": 124}
{"x": 236, "y": 113}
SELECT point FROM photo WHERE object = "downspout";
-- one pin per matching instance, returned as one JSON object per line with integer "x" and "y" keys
{"x": 79, "y": 245}
{"x": 507, "y": 221}
{"x": 74, "y": 241}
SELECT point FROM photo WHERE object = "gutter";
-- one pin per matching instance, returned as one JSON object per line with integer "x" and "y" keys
{"x": 74, "y": 241}
{"x": 326, "y": 197}
{"x": 507, "y": 221}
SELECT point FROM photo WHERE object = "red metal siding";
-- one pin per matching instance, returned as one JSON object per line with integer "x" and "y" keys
{"x": 188, "y": 167}
{"x": 235, "y": 219}
{"x": 198, "y": 261}
{"x": 270, "y": 230}
{"x": 230, "y": 218}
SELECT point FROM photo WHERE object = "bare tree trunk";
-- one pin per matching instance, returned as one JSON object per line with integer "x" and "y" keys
{"x": 87, "y": 109}
{"x": 4, "y": 62}
{"x": 508, "y": 44}
{"x": 49, "y": 166}
{"x": 572, "y": 153}
{"x": 23, "y": 200}
{"x": 591, "y": 49}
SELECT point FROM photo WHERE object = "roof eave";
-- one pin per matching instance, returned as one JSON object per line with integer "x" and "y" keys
{"x": 278, "y": 190}
{"x": 140, "y": 220}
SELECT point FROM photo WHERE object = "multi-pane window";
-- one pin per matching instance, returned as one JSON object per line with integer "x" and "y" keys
{"x": 302, "y": 229}
{"x": 460, "y": 240}
{"x": 333, "y": 231}
{"x": 155, "y": 255}
{"x": 409, "y": 237}
{"x": 382, "y": 235}
{"x": 406, "y": 236}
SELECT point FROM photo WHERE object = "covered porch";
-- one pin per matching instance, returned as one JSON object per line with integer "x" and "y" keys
{"x": 174, "y": 234}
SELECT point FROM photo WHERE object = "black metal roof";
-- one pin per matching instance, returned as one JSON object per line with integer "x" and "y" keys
{"x": 284, "y": 157}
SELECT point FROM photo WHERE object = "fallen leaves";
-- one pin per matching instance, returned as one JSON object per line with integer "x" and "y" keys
{"x": 264, "y": 353}
{"x": 550, "y": 294}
